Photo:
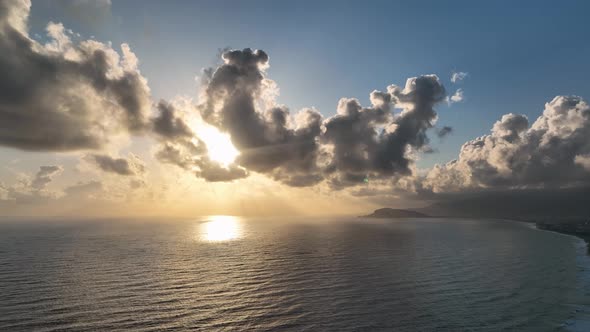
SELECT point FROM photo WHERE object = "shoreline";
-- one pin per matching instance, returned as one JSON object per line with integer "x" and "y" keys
{"x": 576, "y": 228}
{"x": 579, "y": 321}
{"x": 580, "y": 230}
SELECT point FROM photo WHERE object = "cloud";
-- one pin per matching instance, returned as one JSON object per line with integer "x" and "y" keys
{"x": 270, "y": 140}
{"x": 19, "y": 198}
{"x": 63, "y": 95}
{"x": 193, "y": 158}
{"x": 44, "y": 176}
{"x": 456, "y": 97}
{"x": 122, "y": 166}
{"x": 169, "y": 124}
{"x": 31, "y": 190}
{"x": 180, "y": 146}
{"x": 444, "y": 131}
{"x": 458, "y": 76}
{"x": 372, "y": 142}
{"x": 550, "y": 153}
{"x": 304, "y": 149}
{"x": 3, "y": 192}
{"x": 510, "y": 127}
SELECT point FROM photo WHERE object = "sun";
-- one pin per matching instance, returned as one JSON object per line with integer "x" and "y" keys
{"x": 219, "y": 146}
{"x": 220, "y": 229}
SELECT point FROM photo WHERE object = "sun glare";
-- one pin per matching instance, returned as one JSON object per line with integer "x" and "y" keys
{"x": 220, "y": 229}
{"x": 219, "y": 145}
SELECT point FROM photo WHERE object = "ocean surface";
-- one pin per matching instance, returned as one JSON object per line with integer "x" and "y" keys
{"x": 224, "y": 273}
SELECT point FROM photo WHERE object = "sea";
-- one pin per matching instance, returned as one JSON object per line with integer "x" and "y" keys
{"x": 226, "y": 273}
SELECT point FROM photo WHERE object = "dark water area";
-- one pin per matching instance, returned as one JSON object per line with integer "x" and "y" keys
{"x": 233, "y": 274}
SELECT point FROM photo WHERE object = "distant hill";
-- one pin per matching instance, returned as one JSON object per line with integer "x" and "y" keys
{"x": 395, "y": 213}
{"x": 526, "y": 205}
{"x": 515, "y": 204}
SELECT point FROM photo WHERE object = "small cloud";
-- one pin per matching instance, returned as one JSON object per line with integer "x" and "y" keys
{"x": 121, "y": 166}
{"x": 444, "y": 131}
{"x": 456, "y": 97}
{"x": 44, "y": 176}
{"x": 458, "y": 76}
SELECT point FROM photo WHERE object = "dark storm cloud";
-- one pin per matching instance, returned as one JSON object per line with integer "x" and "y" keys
{"x": 372, "y": 142}
{"x": 550, "y": 153}
{"x": 121, "y": 166}
{"x": 64, "y": 96}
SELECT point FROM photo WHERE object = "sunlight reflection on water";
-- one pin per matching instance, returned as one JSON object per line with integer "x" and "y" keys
{"x": 243, "y": 273}
{"x": 220, "y": 229}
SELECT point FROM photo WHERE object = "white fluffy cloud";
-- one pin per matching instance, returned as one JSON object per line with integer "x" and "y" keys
{"x": 552, "y": 152}
{"x": 457, "y": 97}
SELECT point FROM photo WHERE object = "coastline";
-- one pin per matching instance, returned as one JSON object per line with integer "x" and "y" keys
{"x": 579, "y": 320}
{"x": 577, "y": 228}
{"x": 580, "y": 317}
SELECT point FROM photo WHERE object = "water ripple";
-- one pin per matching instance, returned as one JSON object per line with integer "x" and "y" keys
{"x": 339, "y": 275}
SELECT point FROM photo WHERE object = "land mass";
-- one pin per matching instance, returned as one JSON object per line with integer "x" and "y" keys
{"x": 564, "y": 211}
{"x": 395, "y": 213}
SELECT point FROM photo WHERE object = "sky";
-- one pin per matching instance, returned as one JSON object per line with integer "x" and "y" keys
{"x": 469, "y": 64}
